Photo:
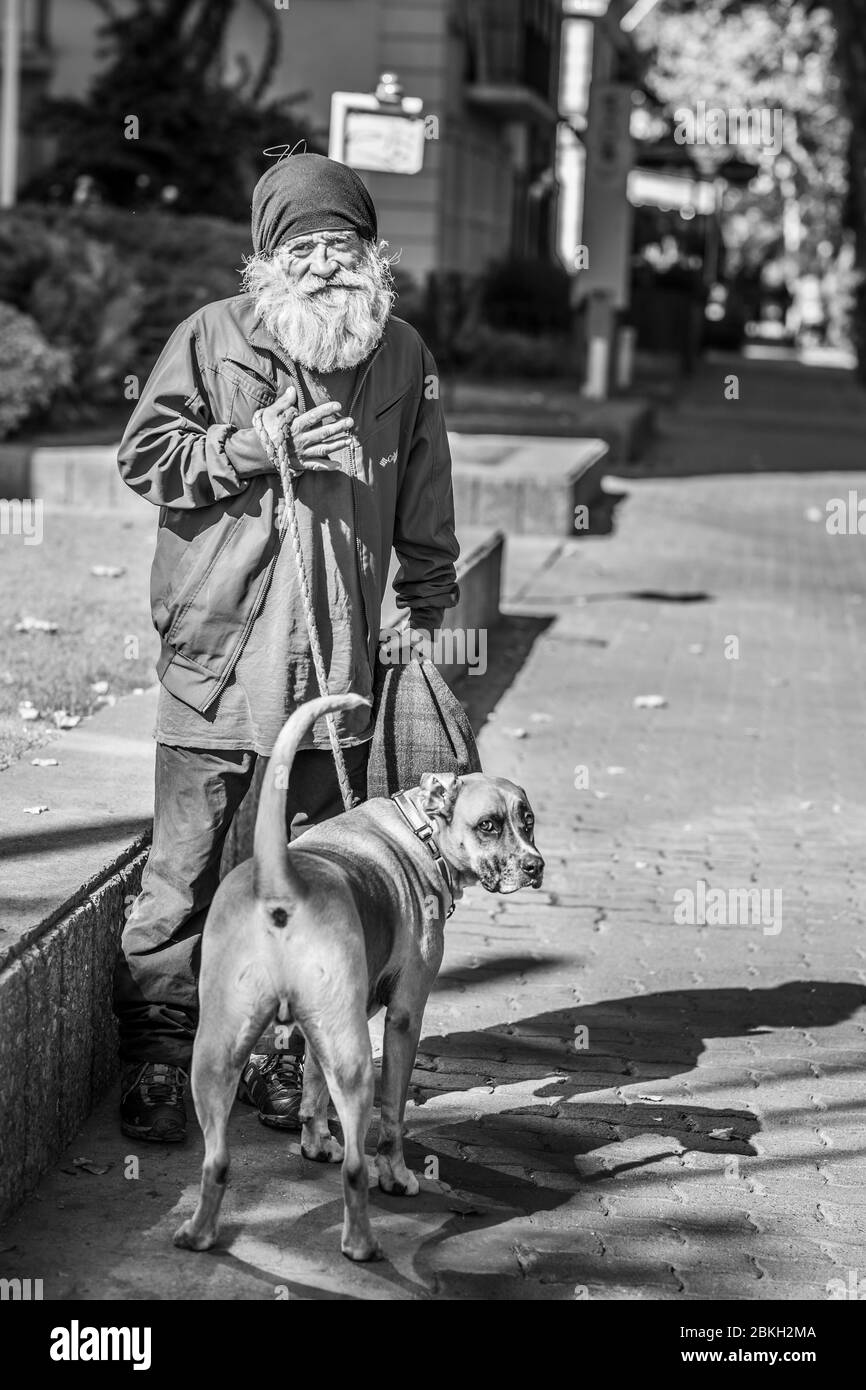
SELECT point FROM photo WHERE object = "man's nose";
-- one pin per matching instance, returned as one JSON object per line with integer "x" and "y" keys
{"x": 322, "y": 264}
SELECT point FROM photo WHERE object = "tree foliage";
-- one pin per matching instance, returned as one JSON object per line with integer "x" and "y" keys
{"x": 850, "y": 19}
{"x": 777, "y": 55}
{"x": 163, "y": 122}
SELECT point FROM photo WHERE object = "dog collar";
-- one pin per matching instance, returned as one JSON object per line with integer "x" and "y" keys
{"x": 425, "y": 830}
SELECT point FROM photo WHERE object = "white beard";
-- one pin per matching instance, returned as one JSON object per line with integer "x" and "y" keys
{"x": 332, "y": 328}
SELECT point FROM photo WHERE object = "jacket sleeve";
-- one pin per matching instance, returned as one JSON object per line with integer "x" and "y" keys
{"x": 426, "y": 582}
{"x": 173, "y": 452}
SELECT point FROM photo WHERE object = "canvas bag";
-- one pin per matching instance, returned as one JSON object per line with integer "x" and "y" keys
{"x": 420, "y": 727}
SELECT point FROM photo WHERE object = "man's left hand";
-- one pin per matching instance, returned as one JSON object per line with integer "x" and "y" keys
{"x": 412, "y": 643}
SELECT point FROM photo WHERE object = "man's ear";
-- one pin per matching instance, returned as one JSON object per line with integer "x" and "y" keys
{"x": 438, "y": 793}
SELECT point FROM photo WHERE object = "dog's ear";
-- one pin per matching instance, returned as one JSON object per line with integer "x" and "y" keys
{"x": 439, "y": 792}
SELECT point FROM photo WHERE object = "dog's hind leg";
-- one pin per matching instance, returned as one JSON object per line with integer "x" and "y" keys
{"x": 402, "y": 1031}
{"x": 345, "y": 1057}
{"x": 317, "y": 1141}
{"x": 222, "y": 1046}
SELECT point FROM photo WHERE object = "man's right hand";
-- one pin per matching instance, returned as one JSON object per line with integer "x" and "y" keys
{"x": 312, "y": 436}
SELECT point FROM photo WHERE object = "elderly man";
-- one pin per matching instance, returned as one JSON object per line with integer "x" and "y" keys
{"x": 312, "y": 344}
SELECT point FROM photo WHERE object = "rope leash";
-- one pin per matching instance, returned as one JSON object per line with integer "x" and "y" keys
{"x": 279, "y": 457}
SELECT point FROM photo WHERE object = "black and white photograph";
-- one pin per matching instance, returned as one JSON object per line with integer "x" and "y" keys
{"x": 432, "y": 616}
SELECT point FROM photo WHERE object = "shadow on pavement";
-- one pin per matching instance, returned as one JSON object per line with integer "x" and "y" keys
{"x": 658, "y": 1035}
{"x": 511, "y": 642}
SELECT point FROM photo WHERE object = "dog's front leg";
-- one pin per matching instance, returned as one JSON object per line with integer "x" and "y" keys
{"x": 402, "y": 1031}
{"x": 317, "y": 1141}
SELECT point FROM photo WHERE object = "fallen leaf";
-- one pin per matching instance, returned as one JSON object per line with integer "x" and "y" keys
{"x": 44, "y": 762}
{"x": 35, "y": 625}
{"x": 722, "y": 1134}
{"x": 100, "y": 687}
{"x": 28, "y": 710}
{"x": 64, "y": 720}
{"x": 654, "y": 1100}
{"x": 87, "y": 1165}
{"x": 107, "y": 571}
{"x": 463, "y": 1202}
{"x": 649, "y": 702}
{"x": 34, "y": 810}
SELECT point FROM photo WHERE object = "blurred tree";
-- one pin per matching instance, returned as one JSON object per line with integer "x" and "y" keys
{"x": 850, "y": 19}
{"x": 737, "y": 55}
{"x": 162, "y": 123}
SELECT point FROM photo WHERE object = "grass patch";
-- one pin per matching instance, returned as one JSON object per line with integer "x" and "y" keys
{"x": 104, "y": 629}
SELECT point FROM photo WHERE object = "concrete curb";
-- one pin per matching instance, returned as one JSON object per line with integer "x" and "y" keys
{"x": 58, "y": 1043}
{"x": 527, "y": 484}
{"x": 66, "y": 877}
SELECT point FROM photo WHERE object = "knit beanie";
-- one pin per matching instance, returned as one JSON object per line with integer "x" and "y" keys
{"x": 306, "y": 193}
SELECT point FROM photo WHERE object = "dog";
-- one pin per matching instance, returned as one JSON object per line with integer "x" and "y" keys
{"x": 323, "y": 933}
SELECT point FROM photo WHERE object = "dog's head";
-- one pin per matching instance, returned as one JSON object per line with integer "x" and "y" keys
{"x": 485, "y": 829}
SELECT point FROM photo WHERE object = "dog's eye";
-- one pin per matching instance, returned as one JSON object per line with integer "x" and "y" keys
{"x": 487, "y": 826}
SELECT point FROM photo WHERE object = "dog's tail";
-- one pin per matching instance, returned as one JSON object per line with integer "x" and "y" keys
{"x": 275, "y": 878}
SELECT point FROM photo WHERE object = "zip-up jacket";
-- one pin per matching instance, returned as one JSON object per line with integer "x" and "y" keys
{"x": 190, "y": 448}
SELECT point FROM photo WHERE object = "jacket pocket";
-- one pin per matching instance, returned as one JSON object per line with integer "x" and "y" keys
{"x": 190, "y": 572}
{"x": 246, "y": 381}
{"x": 388, "y": 410}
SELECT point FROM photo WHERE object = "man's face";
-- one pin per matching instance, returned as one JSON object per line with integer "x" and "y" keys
{"x": 325, "y": 296}
{"x": 314, "y": 262}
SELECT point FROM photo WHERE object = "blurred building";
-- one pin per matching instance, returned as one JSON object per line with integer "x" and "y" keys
{"x": 595, "y": 148}
{"x": 486, "y": 70}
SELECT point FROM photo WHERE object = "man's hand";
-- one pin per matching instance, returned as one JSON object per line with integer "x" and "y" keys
{"x": 407, "y": 644}
{"x": 312, "y": 436}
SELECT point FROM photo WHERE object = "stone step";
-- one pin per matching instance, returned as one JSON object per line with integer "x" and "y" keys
{"x": 525, "y": 484}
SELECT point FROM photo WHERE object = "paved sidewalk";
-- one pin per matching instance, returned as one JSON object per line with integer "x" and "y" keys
{"x": 621, "y": 1106}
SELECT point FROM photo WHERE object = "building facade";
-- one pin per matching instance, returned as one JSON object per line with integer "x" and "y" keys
{"x": 486, "y": 70}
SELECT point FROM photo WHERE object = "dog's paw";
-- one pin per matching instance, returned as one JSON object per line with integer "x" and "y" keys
{"x": 325, "y": 1150}
{"x": 186, "y": 1238}
{"x": 396, "y": 1179}
{"x": 363, "y": 1251}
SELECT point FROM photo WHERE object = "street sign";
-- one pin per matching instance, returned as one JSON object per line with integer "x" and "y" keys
{"x": 383, "y": 137}
{"x": 379, "y": 140}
